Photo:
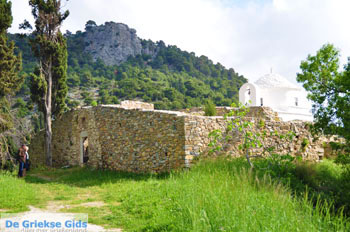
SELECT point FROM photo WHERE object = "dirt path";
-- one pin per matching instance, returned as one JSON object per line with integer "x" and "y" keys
{"x": 56, "y": 206}
{"x": 42, "y": 177}
{"x": 51, "y": 214}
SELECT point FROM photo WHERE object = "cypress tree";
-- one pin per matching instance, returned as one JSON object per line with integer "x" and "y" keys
{"x": 10, "y": 65}
{"x": 48, "y": 82}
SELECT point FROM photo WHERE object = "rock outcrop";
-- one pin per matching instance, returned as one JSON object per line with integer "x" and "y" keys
{"x": 112, "y": 42}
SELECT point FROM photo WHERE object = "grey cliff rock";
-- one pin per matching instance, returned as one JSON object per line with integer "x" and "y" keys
{"x": 112, "y": 42}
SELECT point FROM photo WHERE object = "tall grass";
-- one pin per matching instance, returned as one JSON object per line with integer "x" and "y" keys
{"x": 327, "y": 181}
{"x": 220, "y": 195}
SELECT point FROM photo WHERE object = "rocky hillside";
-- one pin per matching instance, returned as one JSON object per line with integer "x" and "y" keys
{"x": 112, "y": 42}
{"x": 109, "y": 63}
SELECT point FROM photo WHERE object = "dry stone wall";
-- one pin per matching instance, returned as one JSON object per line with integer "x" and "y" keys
{"x": 120, "y": 139}
{"x": 66, "y": 140}
{"x": 265, "y": 113}
{"x": 136, "y": 105}
{"x": 140, "y": 141}
{"x": 197, "y": 129}
{"x": 130, "y": 138}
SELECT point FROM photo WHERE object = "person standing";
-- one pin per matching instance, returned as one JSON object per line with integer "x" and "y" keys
{"x": 22, "y": 161}
{"x": 27, "y": 163}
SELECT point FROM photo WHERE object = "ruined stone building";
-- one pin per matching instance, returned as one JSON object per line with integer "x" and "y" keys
{"x": 134, "y": 137}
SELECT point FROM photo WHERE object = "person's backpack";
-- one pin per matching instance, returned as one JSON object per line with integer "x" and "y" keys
{"x": 18, "y": 157}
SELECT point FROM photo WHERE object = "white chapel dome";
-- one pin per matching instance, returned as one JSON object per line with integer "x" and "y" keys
{"x": 274, "y": 80}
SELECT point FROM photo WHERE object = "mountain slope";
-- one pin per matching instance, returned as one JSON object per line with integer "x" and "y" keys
{"x": 113, "y": 61}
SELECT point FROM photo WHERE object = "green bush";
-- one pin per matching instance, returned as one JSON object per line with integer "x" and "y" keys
{"x": 325, "y": 181}
{"x": 115, "y": 100}
{"x": 88, "y": 101}
{"x": 85, "y": 94}
{"x": 209, "y": 108}
{"x": 19, "y": 103}
{"x": 94, "y": 103}
{"x": 72, "y": 103}
{"x": 22, "y": 108}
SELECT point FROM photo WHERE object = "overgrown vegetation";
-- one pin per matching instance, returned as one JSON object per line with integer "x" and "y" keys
{"x": 215, "y": 195}
{"x": 327, "y": 182}
{"x": 253, "y": 143}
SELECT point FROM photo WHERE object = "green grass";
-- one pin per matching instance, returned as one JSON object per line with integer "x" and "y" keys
{"x": 216, "y": 195}
{"x": 16, "y": 194}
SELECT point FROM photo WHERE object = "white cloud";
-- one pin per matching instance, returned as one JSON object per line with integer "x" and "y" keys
{"x": 250, "y": 36}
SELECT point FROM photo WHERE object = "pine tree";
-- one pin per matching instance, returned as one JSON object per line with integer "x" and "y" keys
{"x": 49, "y": 80}
{"x": 10, "y": 65}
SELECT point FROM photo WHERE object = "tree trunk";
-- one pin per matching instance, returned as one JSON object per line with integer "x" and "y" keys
{"x": 247, "y": 156}
{"x": 48, "y": 114}
{"x": 48, "y": 139}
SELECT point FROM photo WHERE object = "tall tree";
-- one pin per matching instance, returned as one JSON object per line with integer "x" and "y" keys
{"x": 10, "y": 65}
{"x": 48, "y": 82}
{"x": 329, "y": 90}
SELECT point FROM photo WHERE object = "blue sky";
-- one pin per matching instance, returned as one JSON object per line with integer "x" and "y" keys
{"x": 250, "y": 36}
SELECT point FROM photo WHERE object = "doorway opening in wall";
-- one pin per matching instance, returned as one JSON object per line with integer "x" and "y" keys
{"x": 85, "y": 149}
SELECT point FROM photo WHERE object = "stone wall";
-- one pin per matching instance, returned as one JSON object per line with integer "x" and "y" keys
{"x": 140, "y": 141}
{"x": 136, "y": 105}
{"x": 121, "y": 139}
{"x": 145, "y": 140}
{"x": 254, "y": 112}
{"x": 67, "y": 132}
{"x": 197, "y": 129}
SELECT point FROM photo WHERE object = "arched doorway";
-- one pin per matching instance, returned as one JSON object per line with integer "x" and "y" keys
{"x": 84, "y": 148}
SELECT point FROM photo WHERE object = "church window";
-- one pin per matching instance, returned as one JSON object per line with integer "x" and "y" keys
{"x": 296, "y": 101}
{"x": 261, "y": 101}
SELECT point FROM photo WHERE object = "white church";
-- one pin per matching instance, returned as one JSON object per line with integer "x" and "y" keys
{"x": 275, "y": 91}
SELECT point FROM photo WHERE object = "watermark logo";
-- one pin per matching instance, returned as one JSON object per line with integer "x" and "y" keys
{"x": 44, "y": 222}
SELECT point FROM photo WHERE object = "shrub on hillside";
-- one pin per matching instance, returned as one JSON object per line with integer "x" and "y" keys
{"x": 209, "y": 108}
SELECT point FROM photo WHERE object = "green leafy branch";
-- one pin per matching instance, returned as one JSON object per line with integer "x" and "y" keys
{"x": 253, "y": 135}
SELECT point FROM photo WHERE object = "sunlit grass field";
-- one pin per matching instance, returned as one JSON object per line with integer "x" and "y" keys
{"x": 215, "y": 195}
